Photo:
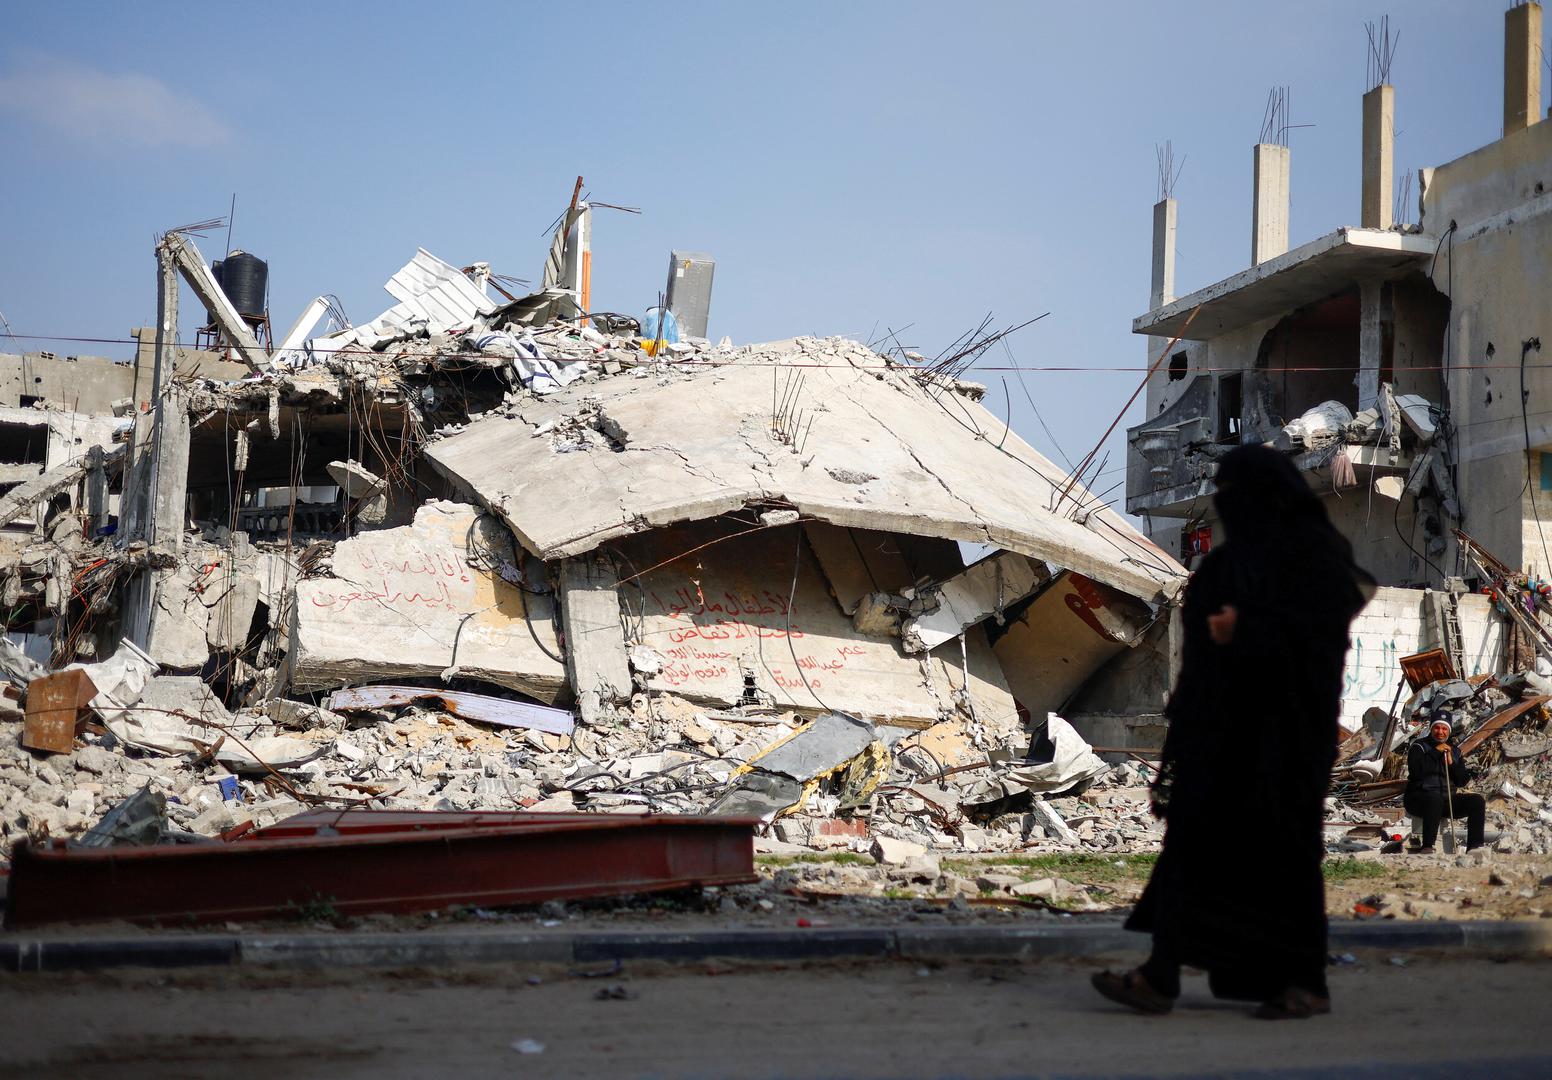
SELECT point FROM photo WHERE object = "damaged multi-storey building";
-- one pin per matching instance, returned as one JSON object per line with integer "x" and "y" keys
{"x": 1397, "y": 362}
{"x": 488, "y": 552}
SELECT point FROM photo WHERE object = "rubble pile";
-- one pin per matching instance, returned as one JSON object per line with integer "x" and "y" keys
{"x": 496, "y": 557}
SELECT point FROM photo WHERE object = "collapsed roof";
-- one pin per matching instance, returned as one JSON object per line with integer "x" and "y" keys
{"x": 824, "y": 426}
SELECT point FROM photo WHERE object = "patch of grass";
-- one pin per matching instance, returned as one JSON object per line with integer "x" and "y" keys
{"x": 1350, "y": 869}
{"x": 838, "y": 858}
{"x": 1083, "y": 868}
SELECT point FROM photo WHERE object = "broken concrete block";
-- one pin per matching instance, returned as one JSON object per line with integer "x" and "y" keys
{"x": 971, "y": 837}
{"x": 994, "y": 882}
{"x": 1039, "y": 889}
{"x": 407, "y": 602}
{"x": 355, "y": 479}
{"x": 876, "y": 616}
{"x": 891, "y": 851}
{"x": 987, "y": 588}
{"x": 926, "y": 867}
{"x": 1052, "y": 822}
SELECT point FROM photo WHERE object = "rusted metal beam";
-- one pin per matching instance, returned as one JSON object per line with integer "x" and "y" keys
{"x": 1498, "y": 721}
{"x": 361, "y": 861}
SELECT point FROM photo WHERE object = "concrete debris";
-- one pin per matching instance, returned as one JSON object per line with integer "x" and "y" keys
{"x": 485, "y": 555}
{"x": 479, "y": 708}
{"x": 1059, "y": 761}
{"x": 984, "y": 590}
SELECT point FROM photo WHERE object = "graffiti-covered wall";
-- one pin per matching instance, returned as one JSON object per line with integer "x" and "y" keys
{"x": 1393, "y": 626}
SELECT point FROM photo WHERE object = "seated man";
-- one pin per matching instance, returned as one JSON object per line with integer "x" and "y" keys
{"x": 1435, "y": 775}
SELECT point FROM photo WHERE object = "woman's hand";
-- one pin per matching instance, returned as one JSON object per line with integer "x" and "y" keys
{"x": 1220, "y": 625}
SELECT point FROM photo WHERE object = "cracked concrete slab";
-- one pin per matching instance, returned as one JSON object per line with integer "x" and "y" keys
{"x": 883, "y": 452}
{"x": 732, "y": 619}
{"x": 420, "y": 599}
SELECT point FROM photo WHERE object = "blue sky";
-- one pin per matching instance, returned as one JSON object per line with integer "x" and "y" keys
{"x": 851, "y": 166}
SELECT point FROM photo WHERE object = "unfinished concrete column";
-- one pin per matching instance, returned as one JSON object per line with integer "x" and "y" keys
{"x": 1269, "y": 210}
{"x": 1379, "y": 151}
{"x": 1375, "y": 333}
{"x": 1522, "y": 67}
{"x": 1163, "y": 290}
{"x": 166, "y": 346}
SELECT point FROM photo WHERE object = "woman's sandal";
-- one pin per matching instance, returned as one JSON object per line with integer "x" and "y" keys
{"x": 1132, "y": 990}
{"x": 1293, "y": 1004}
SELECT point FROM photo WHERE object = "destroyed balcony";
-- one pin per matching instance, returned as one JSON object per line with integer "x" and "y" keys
{"x": 1173, "y": 456}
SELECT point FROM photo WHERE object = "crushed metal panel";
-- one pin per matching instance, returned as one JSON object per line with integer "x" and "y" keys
{"x": 437, "y": 291}
{"x": 883, "y": 454}
{"x": 478, "y": 708}
{"x": 987, "y": 588}
{"x": 407, "y": 602}
{"x": 830, "y": 741}
{"x": 1063, "y": 637}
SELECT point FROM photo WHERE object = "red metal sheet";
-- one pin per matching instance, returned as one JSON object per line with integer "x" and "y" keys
{"x": 371, "y": 861}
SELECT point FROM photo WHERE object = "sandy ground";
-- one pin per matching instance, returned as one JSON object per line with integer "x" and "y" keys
{"x": 881, "y": 1019}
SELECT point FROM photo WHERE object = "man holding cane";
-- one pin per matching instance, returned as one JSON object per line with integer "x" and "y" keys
{"x": 1435, "y": 775}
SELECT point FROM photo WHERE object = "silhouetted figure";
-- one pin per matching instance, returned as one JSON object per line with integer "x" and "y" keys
{"x": 1237, "y": 890}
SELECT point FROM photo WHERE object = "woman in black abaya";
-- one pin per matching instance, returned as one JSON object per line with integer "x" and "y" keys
{"x": 1237, "y": 890}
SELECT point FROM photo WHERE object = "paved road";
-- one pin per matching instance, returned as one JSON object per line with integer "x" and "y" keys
{"x": 864, "y": 1019}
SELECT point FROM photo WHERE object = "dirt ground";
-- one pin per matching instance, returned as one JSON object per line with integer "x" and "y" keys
{"x": 1420, "y": 1015}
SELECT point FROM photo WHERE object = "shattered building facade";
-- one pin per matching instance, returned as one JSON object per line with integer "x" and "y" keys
{"x": 1399, "y": 364}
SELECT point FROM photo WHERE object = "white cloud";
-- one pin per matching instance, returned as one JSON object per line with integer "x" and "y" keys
{"x": 84, "y": 103}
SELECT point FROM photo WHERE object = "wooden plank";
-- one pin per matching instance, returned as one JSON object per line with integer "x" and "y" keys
{"x": 1498, "y": 721}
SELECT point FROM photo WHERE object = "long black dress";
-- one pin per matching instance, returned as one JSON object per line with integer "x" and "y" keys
{"x": 1252, "y": 737}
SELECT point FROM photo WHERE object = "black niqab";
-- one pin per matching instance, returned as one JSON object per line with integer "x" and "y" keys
{"x": 1253, "y": 735}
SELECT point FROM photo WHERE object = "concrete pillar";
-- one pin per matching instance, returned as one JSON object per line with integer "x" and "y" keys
{"x": 1522, "y": 67}
{"x": 1379, "y": 151}
{"x": 1375, "y": 334}
{"x": 1269, "y": 210}
{"x": 1163, "y": 290}
{"x": 166, "y": 352}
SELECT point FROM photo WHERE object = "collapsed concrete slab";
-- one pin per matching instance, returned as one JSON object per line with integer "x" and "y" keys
{"x": 883, "y": 448}
{"x": 425, "y": 599}
{"x": 739, "y": 616}
{"x": 1058, "y": 640}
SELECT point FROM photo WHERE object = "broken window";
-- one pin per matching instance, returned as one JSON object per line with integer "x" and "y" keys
{"x": 23, "y": 443}
{"x": 1311, "y": 356}
{"x": 1177, "y": 367}
{"x": 1230, "y": 407}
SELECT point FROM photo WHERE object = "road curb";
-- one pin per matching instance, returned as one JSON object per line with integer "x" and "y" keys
{"x": 440, "y": 949}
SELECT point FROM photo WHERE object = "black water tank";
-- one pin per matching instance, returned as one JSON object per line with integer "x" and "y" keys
{"x": 215, "y": 272}
{"x": 244, "y": 278}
